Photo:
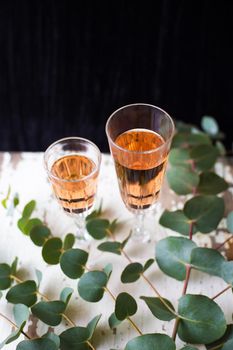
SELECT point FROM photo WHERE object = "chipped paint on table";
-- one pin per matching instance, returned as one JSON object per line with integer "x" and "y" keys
{"x": 26, "y": 175}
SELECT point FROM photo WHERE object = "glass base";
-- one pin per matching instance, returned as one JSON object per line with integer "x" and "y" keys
{"x": 141, "y": 231}
{"x": 80, "y": 223}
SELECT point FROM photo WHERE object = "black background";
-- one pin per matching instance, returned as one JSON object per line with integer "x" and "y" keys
{"x": 65, "y": 66}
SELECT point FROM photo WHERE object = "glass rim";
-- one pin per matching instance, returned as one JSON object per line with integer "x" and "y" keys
{"x": 76, "y": 138}
{"x": 140, "y": 152}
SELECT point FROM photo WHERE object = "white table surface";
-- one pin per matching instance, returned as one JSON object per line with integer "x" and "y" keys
{"x": 26, "y": 175}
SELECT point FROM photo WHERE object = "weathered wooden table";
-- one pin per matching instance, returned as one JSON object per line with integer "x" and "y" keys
{"x": 26, "y": 175}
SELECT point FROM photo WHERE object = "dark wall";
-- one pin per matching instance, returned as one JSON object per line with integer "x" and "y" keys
{"x": 65, "y": 66}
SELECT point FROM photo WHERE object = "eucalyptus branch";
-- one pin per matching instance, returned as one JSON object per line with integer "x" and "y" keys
{"x": 222, "y": 291}
{"x": 222, "y": 244}
{"x": 14, "y": 325}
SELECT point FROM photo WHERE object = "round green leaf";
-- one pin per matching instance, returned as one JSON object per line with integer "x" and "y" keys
{"x": 21, "y": 314}
{"x": 97, "y": 228}
{"x": 184, "y": 139}
{"x": 209, "y": 125}
{"x": 205, "y": 211}
{"x": 66, "y": 294}
{"x": 179, "y": 156}
{"x": 49, "y": 312}
{"x": 225, "y": 342}
{"x": 30, "y": 224}
{"x": 39, "y": 234}
{"x": 202, "y": 320}
{"x": 91, "y": 285}
{"x": 182, "y": 180}
{"x": 37, "y": 344}
{"x": 172, "y": 255}
{"x": 204, "y": 156}
{"x": 207, "y": 260}
{"x": 69, "y": 241}
{"x": 75, "y": 338}
{"x": 132, "y": 273}
{"x": 125, "y": 306}
{"x": 230, "y": 222}
{"x": 5, "y": 279}
{"x": 52, "y": 336}
{"x": 28, "y": 209}
{"x": 73, "y": 262}
{"x": 176, "y": 221}
{"x": 151, "y": 342}
{"x": 211, "y": 183}
{"x": 51, "y": 251}
{"x": 159, "y": 310}
{"x": 113, "y": 321}
{"x": 227, "y": 272}
{"x": 23, "y": 293}
{"x": 111, "y": 247}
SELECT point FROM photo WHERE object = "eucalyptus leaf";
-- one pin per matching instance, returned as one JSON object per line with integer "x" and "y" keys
{"x": 75, "y": 338}
{"x": 209, "y": 125}
{"x": 126, "y": 240}
{"x": 148, "y": 264}
{"x": 221, "y": 148}
{"x": 179, "y": 156}
{"x": 69, "y": 241}
{"x": 13, "y": 336}
{"x": 154, "y": 341}
{"x": 207, "y": 260}
{"x": 185, "y": 139}
{"x": 5, "y": 200}
{"x": 14, "y": 266}
{"x": 108, "y": 270}
{"x": 95, "y": 213}
{"x": 39, "y": 234}
{"x": 49, "y": 312}
{"x": 132, "y": 273}
{"x": 39, "y": 277}
{"x": 16, "y": 200}
{"x": 5, "y": 276}
{"x": 97, "y": 228}
{"x": 113, "y": 321}
{"x": 230, "y": 222}
{"x": 113, "y": 225}
{"x": 182, "y": 180}
{"x": 66, "y": 294}
{"x": 37, "y": 344}
{"x": 73, "y": 262}
{"x": 52, "y": 336}
{"x": 111, "y": 247}
{"x": 159, "y": 310}
{"x": 21, "y": 314}
{"x": 92, "y": 325}
{"x": 28, "y": 209}
{"x": 227, "y": 272}
{"x": 51, "y": 250}
{"x": 225, "y": 342}
{"x": 204, "y": 156}
{"x": 176, "y": 221}
{"x": 202, "y": 320}
{"x": 125, "y": 306}
{"x": 173, "y": 254}
{"x": 23, "y": 293}
{"x": 189, "y": 348}
{"x": 30, "y": 224}
{"x": 205, "y": 211}
{"x": 91, "y": 285}
{"x": 211, "y": 183}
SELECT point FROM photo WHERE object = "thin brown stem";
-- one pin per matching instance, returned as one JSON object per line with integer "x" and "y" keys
{"x": 188, "y": 271}
{"x": 222, "y": 244}
{"x": 128, "y": 318}
{"x": 221, "y": 292}
{"x": 14, "y": 325}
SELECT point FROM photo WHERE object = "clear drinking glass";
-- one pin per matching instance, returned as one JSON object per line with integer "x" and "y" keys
{"x": 139, "y": 137}
{"x": 72, "y": 165}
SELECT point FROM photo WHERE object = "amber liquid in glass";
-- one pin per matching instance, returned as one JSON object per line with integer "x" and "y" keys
{"x": 74, "y": 194}
{"x": 140, "y": 175}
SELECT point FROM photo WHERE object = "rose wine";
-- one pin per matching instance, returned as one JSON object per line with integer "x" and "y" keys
{"x": 140, "y": 166}
{"x": 74, "y": 194}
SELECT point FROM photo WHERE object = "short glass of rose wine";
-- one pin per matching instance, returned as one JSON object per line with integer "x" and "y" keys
{"x": 72, "y": 166}
{"x": 139, "y": 137}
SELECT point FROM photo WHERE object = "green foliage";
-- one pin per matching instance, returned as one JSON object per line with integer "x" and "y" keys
{"x": 23, "y": 293}
{"x": 207, "y": 260}
{"x": 202, "y": 320}
{"x": 211, "y": 183}
{"x": 5, "y": 276}
{"x": 230, "y": 222}
{"x": 205, "y": 212}
{"x": 37, "y": 344}
{"x": 209, "y": 125}
{"x": 21, "y": 314}
{"x": 225, "y": 342}
{"x": 39, "y": 234}
{"x": 52, "y": 336}
{"x": 172, "y": 255}
{"x": 227, "y": 272}
{"x": 159, "y": 309}
{"x": 73, "y": 262}
{"x": 189, "y": 348}
{"x": 113, "y": 321}
{"x": 91, "y": 285}
{"x": 186, "y": 139}
{"x": 52, "y": 250}
{"x": 125, "y": 306}
{"x": 176, "y": 221}
{"x": 25, "y": 223}
{"x": 75, "y": 338}
{"x": 13, "y": 336}
{"x": 151, "y": 342}
{"x": 14, "y": 266}
{"x": 185, "y": 183}
{"x": 148, "y": 264}
{"x": 92, "y": 325}
{"x": 39, "y": 277}
{"x": 132, "y": 273}
{"x": 28, "y": 209}
{"x": 204, "y": 156}
{"x": 95, "y": 213}
{"x": 97, "y": 228}
{"x": 5, "y": 200}
{"x": 66, "y": 294}
{"x": 111, "y": 247}
{"x": 69, "y": 241}
{"x": 179, "y": 156}
{"x": 50, "y": 312}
